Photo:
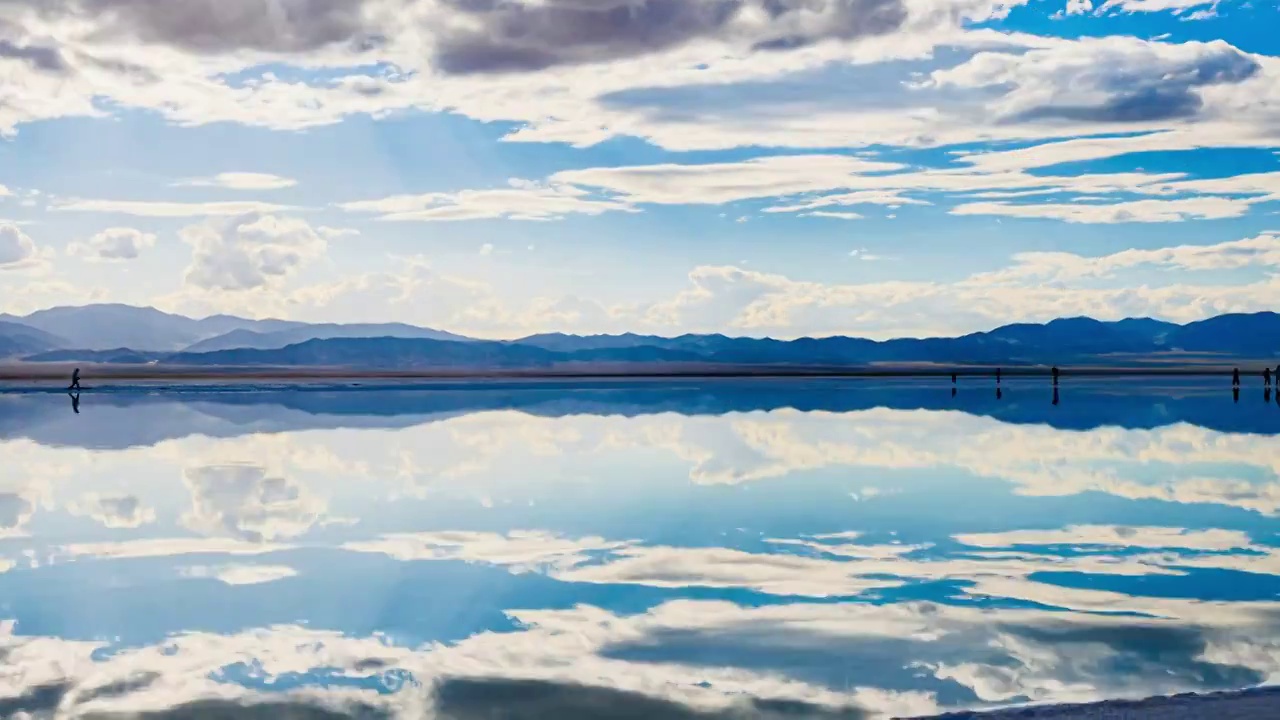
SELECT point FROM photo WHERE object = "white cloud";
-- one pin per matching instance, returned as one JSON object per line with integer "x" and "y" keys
{"x": 164, "y": 547}
{"x": 1147, "y": 6}
{"x": 1139, "y": 211}
{"x": 719, "y": 183}
{"x": 114, "y": 511}
{"x": 834, "y": 215}
{"x": 240, "y": 574}
{"x": 332, "y": 233}
{"x": 1262, "y": 251}
{"x": 246, "y": 503}
{"x": 165, "y": 209}
{"x": 520, "y": 550}
{"x": 240, "y": 181}
{"x": 1115, "y": 536}
{"x": 114, "y": 244}
{"x": 522, "y": 201}
{"x": 249, "y": 252}
{"x": 17, "y": 249}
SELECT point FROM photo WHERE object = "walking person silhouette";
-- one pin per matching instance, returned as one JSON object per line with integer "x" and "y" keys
{"x": 1235, "y": 378}
{"x": 1266, "y": 377}
{"x": 1055, "y": 375}
{"x": 75, "y": 380}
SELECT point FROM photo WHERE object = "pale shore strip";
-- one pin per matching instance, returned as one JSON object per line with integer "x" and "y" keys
{"x": 247, "y": 374}
{"x": 1258, "y": 704}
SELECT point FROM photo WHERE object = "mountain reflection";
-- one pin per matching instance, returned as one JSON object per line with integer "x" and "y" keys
{"x": 727, "y": 550}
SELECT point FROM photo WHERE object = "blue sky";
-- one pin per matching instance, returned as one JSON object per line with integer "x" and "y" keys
{"x": 869, "y": 167}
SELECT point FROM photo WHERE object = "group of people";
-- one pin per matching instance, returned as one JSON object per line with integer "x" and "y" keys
{"x": 1266, "y": 377}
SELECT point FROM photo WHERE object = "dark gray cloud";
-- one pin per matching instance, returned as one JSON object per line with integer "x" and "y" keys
{"x": 1152, "y": 94}
{"x": 14, "y": 510}
{"x": 520, "y": 36}
{"x": 43, "y": 58}
{"x": 514, "y": 699}
{"x": 517, "y": 36}
{"x": 839, "y": 19}
{"x": 224, "y": 25}
{"x": 215, "y": 26}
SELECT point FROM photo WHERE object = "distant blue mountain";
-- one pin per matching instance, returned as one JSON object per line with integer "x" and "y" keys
{"x": 17, "y": 339}
{"x": 1070, "y": 340}
{"x": 109, "y": 327}
{"x": 249, "y": 339}
{"x": 102, "y": 327}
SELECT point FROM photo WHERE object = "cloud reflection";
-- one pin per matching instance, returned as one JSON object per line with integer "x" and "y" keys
{"x": 550, "y": 564}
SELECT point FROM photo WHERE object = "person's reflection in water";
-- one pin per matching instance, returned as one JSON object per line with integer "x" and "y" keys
{"x": 1055, "y": 395}
{"x": 1235, "y": 394}
{"x": 953, "y": 392}
{"x": 75, "y": 402}
{"x": 999, "y": 394}
{"x": 1266, "y": 395}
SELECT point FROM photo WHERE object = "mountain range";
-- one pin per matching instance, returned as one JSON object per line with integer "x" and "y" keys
{"x": 120, "y": 334}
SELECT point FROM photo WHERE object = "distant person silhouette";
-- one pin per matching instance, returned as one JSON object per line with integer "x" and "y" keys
{"x": 953, "y": 378}
{"x": 1235, "y": 378}
{"x": 1055, "y": 395}
{"x": 997, "y": 376}
{"x": 75, "y": 402}
{"x": 75, "y": 380}
{"x": 1055, "y": 375}
{"x": 1266, "y": 377}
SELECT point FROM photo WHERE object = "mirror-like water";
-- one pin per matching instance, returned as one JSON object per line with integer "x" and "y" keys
{"x": 842, "y": 549}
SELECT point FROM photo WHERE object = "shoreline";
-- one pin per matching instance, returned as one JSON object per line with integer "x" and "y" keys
{"x": 109, "y": 373}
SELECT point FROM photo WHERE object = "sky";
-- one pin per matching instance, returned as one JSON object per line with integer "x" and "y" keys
{"x": 781, "y": 168}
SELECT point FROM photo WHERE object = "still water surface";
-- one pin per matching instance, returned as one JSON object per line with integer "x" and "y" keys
{"x": 852, "y": 549}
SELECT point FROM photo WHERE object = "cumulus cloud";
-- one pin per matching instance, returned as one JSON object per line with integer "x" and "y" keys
{"x": 114, "y": 511}
{"x": 17, "y": 249}
{"x": 114, "y": 244}
{"x": 244, "y": 502}
{"x": 1104, "y": 81}
{"x": 249, "y": 252}
{"x": 240, "y": 181}
{"x": 1262, "y": 252}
